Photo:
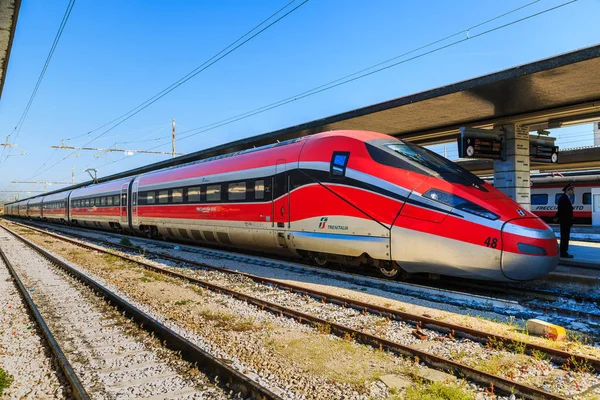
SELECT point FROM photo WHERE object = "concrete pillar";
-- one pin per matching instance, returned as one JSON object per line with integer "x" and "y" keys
{"x": 596, "y": 133}
{"x": 512, "y": 176}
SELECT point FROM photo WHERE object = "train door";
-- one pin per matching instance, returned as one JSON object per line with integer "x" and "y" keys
{"x": 595, "y": 206}
{"x": 123, "y": 207}
{"x": 68, "y": 208}
{"x": 281, "y": 201}
{"x": 134, "y": 203}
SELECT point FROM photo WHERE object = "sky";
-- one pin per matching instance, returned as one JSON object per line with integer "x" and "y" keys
{"x": 114, "y": 55}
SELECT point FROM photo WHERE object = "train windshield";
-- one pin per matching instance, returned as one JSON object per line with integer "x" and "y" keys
{"x": 446, "y": 169}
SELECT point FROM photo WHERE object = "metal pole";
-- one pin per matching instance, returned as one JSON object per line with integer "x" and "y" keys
{"x": 173, "y": 138}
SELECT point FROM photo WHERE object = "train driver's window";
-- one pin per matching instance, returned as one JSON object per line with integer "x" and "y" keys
{"x": 213, "y": 193}
{"x": 259, "y": 190}
{"x": 163, "y": 196}
{"x": 539, "y": 199}
{"x": 193, "y": 194}
{"x": 177, "y": 195}
{"x": 587, "y": 198}
{"x": 339, "y": 161}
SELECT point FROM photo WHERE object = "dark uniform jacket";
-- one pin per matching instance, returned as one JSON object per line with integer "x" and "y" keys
{"x": 565, "y": 210}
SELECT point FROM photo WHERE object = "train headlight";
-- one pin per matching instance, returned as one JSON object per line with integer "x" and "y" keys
{"x": 459, "y": 203}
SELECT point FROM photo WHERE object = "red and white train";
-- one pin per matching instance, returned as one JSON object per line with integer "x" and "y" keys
{"x": 546, "y": 189}
{"x": 346, "y": 196}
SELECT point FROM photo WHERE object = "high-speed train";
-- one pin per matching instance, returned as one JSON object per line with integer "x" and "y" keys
{"x": 354, "y": 197}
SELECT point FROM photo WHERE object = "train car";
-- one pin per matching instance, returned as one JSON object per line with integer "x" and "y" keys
{"x": 22, "y": 208}
{"x": 11, "y": 209}
{"x": 546, "y": 189}
{"x": 54, "y": 207}
{"x": 103, "y": 205}
{"x": 350, "y": 196}
{"x": 34, "y": 207}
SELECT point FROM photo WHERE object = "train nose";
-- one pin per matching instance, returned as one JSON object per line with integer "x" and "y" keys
{"x": 530, "y": 249}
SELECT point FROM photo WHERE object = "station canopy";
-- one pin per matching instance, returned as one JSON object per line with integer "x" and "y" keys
{"x": 544, "y": 94}
{"x": 9, "y": 10}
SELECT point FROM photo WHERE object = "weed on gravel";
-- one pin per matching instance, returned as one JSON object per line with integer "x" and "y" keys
{"x": 5, "y": 380}
{"x": 436, "y": 391}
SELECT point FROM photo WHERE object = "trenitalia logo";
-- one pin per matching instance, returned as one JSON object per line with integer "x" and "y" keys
{"x": 323, "y": 223}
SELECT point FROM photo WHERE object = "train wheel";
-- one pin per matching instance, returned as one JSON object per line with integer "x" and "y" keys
{"x": 391, "y": 271}
{"x": 320, "y": 259}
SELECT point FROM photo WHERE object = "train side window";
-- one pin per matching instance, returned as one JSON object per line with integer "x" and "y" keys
{"x": 109, "y": 201}
{"x": 213, "y": 193}
{"x": 116, "y": 200}
{"x": 163, "y": 196}
{"x": 103, "y": 201}
{"x": 177, "y": 195}
{"x": 339, "y": 161}
{"x": 557, "y": 197}
{"x": 193, "y": 194}
{"x": 259, "y": 189}
{"x": 87, "y": 202}
{"x": 150, "y": 198}
{"x": 236, "y": 191}
{"x": 539, "y": 199}
{"x": 587, "y": 198}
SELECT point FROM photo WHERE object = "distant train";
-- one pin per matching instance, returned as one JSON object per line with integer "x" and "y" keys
{"x": 546, "y": 189}
{"x": 353, "y": 197}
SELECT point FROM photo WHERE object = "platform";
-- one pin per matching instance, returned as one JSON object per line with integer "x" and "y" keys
{"x": 584, "y": 233}
{"x": 585, "y": 255}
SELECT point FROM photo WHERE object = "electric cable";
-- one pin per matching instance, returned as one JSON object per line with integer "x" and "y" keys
{"x": 190, "y": 75}
{"x": 41, "y": 76}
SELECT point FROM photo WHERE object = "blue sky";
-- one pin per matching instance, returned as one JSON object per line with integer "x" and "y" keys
{"x": 113, "y": 55}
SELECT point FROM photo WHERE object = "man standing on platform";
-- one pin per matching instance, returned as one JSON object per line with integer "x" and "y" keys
{"x": 565, "y": 218}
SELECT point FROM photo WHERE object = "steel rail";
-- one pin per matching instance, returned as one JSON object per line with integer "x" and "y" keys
{"x": 77, "y": 389}
{"x": 540, "y": 295}
{"x": 189, "y": 351}
{"x": 503, "y": 385}
{"x": 558, "y": 356}
{"x": 509, "y": 289}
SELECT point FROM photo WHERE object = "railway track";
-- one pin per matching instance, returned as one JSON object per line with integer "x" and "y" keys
{"x": 422, "y": 326}
{"x": 579, "y": 312}
{"x": 104, "y": 354}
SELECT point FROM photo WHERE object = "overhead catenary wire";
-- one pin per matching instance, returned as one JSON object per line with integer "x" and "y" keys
{"x": 308, "y": 92}
{"x": 222, "y": 54}
{"x": 154, "y": 128}
{"x": 323, "y": 88}
{"x": 211, "y": 61}
{"x": 353, "y": 77}
{"x": 41, "y": 76}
